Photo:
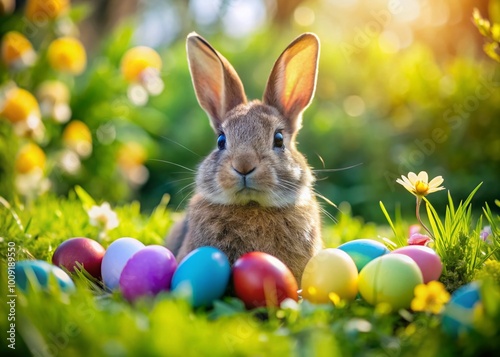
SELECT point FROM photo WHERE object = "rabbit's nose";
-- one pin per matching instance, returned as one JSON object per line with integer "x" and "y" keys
{"x": 244, "y": 165}
{"x": 244, "y": 171}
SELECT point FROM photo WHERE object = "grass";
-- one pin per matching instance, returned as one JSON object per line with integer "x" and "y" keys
{"x": 93, "y": 323}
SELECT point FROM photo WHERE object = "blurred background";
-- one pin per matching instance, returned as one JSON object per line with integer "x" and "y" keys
{"x": 403, "y": 85}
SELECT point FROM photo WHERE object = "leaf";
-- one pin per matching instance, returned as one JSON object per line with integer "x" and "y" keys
{"x": 228, "y": 307}
{"x": 491, "y": 49}
{"x": 482, "y": 24}
{"x": 386, "y": 214}
{"x": 80, "y": 12}
{"x": 85, "y": 198}
{"x": 495, "y": 32}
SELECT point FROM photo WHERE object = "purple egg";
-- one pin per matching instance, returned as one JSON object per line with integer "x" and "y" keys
{"x": 147, "y": 272}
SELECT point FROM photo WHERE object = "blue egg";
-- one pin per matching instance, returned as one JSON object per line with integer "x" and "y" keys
{"x": 36, "y": 273}
{"x": 115, "y": 258}
{"x": 459, "y": 312}
{"x": 202, "y": 276}
{"x": 363, "y": 251}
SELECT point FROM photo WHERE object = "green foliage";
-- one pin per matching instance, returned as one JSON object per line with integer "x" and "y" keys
{"x": 457, "y": 241}
{"x": 93, "y": 322}
{"x": 490, "y": 270}
{"x": 38, "y": 228}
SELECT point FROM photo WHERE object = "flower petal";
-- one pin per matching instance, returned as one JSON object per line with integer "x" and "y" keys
{"x": 423, "y": 176}
{"x": 418, "y": 239}
{"x": 413, "y": 178}
{"x": 436, "y": 181}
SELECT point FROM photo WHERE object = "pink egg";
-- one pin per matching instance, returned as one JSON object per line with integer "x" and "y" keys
{"x": 426, "y": 258}
{"x": 147, "y": 272}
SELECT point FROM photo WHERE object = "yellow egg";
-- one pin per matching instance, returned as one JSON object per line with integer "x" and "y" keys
{"x": 330, "y": 273}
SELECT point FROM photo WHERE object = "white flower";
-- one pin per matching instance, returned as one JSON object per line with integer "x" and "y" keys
{"x": 103, "y": 216}
{"x": 419, "y": 185}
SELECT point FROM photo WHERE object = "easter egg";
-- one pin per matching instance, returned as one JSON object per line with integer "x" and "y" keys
{"x": 459, "y": 312}
{"x": 426, "y": 258}
{"x": 147, "y": 272}
{"x": 330, "y": 271}
{"x": 363, "y": 251}
{"x": 202, "y": 276}
{"x": 115, "y": 258}
{"x": 390, "y": 279}
{"x": 261, "y": 279}
{"x": 37, "y": 274}
{"x": 84, "y": 251}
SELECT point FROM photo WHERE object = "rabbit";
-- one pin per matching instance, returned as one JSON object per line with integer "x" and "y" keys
{"x": 254, "y": 191}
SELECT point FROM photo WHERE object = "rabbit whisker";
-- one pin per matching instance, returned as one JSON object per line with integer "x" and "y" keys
{"x": 175, "y": 164}
{"x": 339, "y": 169}
{"x": 180, "y": 145}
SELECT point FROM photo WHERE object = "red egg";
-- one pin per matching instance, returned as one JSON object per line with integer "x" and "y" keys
{"x": 261, "y": 279}
{"x": 84, "y": 251}
{"x": 426, "y": 258}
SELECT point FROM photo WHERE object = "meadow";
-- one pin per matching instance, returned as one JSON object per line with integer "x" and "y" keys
{"x": 97, "y": 107}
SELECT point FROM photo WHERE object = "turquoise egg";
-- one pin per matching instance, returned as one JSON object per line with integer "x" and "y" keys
{"x": 459, "y": 312}
{"x": 36, "y": 273}
{"x": 202, "y": 276}
{"x": 363, "y": 251}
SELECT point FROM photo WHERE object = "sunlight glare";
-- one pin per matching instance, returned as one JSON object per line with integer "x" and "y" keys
{"x": 304, "y": 16}
{"x": 244, "y": 17}
{"x": 354, "y": 105}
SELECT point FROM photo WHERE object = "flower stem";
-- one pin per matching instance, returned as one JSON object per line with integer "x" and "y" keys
{"x": 419, "y": 201}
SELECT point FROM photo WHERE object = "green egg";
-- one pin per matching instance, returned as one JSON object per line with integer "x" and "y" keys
{"x": 390, "y": 279}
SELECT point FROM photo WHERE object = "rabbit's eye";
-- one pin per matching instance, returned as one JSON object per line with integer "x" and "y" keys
{"x": 221, "y": 142}
{"x": 278, "y": 140}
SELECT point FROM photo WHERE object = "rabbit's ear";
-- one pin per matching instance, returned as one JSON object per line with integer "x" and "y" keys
{"x": 292, "y": 82}
{"x": 217, "y": 86}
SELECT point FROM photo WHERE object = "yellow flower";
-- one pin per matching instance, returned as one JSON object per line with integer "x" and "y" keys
{"x": 131, "y": 157}
{"x": 19, "y": 105}
{"x": 131, "y": 154}
{"x": 17, "y": 50}
{"x": 67, "y": 54}
{"x": 30, "y": 157}
{"x": 39, "y": 11}
{"x": 430, "y": 297}
{"x": 77, "y": 137}
{"x": 419, "y": 185}
{"x": 21, "y": 108}
{"x": 138, "y": 59}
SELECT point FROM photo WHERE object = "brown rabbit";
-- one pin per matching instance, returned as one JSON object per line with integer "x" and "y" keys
{"x": 254, "y": 191}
